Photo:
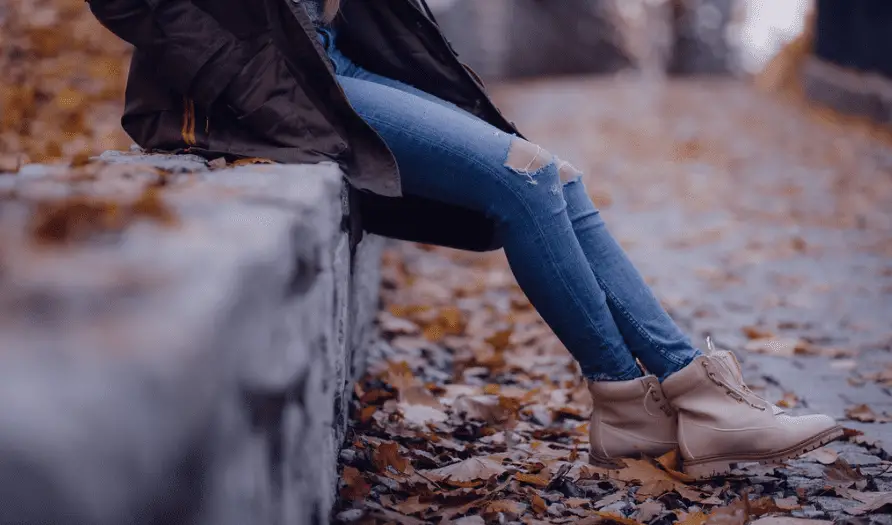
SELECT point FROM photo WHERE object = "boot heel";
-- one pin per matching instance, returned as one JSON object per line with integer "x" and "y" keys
{"x": 709, "y": 470}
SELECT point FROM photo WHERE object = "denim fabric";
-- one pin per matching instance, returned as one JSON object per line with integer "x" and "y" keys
{"x": 574, "y": 273}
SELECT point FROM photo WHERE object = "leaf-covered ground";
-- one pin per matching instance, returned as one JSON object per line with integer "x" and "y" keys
{"x": 62, "y": 79}
{"x": 757, "y": 222}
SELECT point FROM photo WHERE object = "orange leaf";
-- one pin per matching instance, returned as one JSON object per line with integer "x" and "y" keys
{"x": 355, "y": 487}
{"x": 539, "y": 505}
{"x": 532, "y": 479}
{"x": 365, "y": 415}
{"x": 388, "y": 455}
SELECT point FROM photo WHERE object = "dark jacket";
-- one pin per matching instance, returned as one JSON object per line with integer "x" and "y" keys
{"x": 248, "y": 78}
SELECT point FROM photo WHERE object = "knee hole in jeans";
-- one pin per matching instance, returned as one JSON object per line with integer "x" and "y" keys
{"x": 526, "y": 158}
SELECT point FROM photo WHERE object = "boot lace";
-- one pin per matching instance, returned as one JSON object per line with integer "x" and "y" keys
{"x": 744, "y": 395}
{"x": 661, "y": 401}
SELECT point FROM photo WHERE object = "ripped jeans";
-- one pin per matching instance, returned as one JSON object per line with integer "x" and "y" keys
{"x": 572, "y": 270}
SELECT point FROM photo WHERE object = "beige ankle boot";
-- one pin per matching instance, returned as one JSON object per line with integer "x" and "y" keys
{"x": 630, "y": 418}
{"x": 722, "y": 422}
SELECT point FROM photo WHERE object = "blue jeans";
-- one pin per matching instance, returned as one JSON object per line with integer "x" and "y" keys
{"x": 570, "y": 267}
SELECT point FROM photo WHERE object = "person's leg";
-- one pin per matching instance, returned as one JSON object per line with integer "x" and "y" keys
{"x": 651, "y": 335}
{"x": 447, "y": 156}
{"x": 649, "y": 332}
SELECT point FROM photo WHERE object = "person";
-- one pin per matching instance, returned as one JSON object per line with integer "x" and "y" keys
{"x": 375, "y": 87}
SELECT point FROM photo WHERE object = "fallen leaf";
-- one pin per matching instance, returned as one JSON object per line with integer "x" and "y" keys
{"x": 366, "y": 414}
{"x": 878, "y": 501}
{"x": 531, "y": 479}
{"x": 538, "y": 504}
{"x": 694, "y": 518}
{"x": 388, "y": 455}
{"x": 784, "y": 520}
{"x": 355, "y": 487}
{"x": 754, "y": 332}
{"x": 392, "y": 516}
{"x": 646, "y": 473}
{"x": 791, "y": 503}
{"x": 412, "y": 505}
{"x": 649, "y": 510}
{"x": 252, "y": 160}
{"x": 617, "y": 519}
{"x": 421, "y": 415}
{"x": 391, "y": 324}
{"x": 840, "y": 470}
{"x": 864, "y": 414}
{"x": 734, "y": 514}
{"x": 607, "y": 500}
{"x": 471, "y": 469}
{"x": 469, "y": 520}
{"x": 779, "y": 346}
{"x": 823, "y": 455}
{"x": 505, "y": 506}
{"x": 500, "y": 340}
{"x": 488, "y": 408}
{"x": 789, "y": 400}
{"x": 672, "y": 463}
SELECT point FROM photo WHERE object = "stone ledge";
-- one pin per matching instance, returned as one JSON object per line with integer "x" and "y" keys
{"x": 847, "y": 91}
{"x": 185, "y": 361}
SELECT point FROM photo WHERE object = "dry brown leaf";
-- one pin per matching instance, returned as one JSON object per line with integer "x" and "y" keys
{"x": 413, "y": 505}
{"x": 784, "y": 347}
{"x": 500, "y": 340}
{"x": 355, "y": 487}
{"x": 791, "y": 503}
{"x": 864, "y": 414}
{"x": 823, "y": 455}
{"x": 615, "y": 518}
{"x": 575, "y": 503}
{"x": 790, "y": 400}
{"x": 694, "y": 518}
{"x": 878, "y": 500}
{"x": 785, "y": 520}
{"x": 671, "y": 462}
{"x": 388, "y": 455}
{"x": 646, "y": 473}
{"x": 366, "y": 414}
{"x": 391, "y": 324}
{"x": 252, "y": 160}
{"x": 390, "y": 516}
{"x": 488, "y": 408}
{"x": 468, "y": 470}
{"x": 840, "y": 470}
{"x": 421, "y": 415}
{"x": 538, "y": 504}
{"x": 607, "y": 500}
{"x": 531, "y": 479}
{"x": 734, "y": 514}
{"x": 649, "y": 510}
{"x": 754, "y": 332}
{"x": 654, "y": 489}
{"x": 492, "y": 389}
{"x": 506, "y": 506}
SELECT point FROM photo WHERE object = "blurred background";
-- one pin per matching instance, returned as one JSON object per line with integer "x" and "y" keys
{"x": 62, "y": 75}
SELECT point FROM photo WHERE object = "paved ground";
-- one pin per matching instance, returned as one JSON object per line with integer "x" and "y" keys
{"x": 756, "y": 221}
{"x": 743, "y": 211}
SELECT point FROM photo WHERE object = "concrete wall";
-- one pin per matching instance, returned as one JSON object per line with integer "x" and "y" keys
{"x": 177, "y": 345}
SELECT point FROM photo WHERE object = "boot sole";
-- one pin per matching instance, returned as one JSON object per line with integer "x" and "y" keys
{"x": 719, "y": 466}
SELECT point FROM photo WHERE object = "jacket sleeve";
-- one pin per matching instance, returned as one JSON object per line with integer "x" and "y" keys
{"x": 194, "y": 54}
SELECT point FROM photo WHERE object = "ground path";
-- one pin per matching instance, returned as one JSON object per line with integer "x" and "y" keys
{"x": 756, "y": 221}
